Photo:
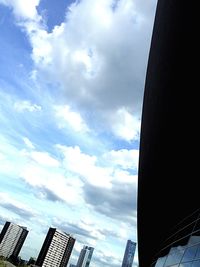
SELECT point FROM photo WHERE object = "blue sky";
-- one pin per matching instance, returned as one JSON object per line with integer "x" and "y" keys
{"x": 71, "y": 85}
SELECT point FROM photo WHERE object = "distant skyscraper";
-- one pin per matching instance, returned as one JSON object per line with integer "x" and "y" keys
{"x": 12, "y": 238}
{"x": 85, "y": 257}
{"x": 56, "y": 249}
{"x": 129, "y": 254}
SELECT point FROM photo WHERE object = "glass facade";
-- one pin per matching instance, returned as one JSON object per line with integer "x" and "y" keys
{"x": 129, "y": 254}
{"x": 182, "y": 248}
{"x": 85, "y": 257}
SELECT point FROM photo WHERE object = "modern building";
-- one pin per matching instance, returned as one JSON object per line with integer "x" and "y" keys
{"x": 168, "y": 190}
{"x": 129, "y": 254}
{"x": 12, "y": 238}
{"x": 85, "y": 257}
{"x": 182, "y": 248}
{"x": 56, "y": 249}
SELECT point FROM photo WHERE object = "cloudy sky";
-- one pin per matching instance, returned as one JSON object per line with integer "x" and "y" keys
{"x": 71, "y": 85}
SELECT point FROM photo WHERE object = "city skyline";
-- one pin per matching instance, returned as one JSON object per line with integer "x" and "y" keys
{"x": 56, "y": 249}
{"x": 71, "y": 86}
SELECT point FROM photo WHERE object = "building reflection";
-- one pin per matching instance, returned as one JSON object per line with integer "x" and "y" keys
{"x": 182, "y": 248}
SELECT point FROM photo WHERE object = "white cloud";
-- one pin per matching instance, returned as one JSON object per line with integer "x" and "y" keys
{"x": 77, "y": 178}
{"x": 80, "y": 228}
{"x": 42, "y": 48}
{"x": 85, "y": 166}
{"x": 41, "y": 171}
{"x": 23, "y": 9}
{"x": 107, "y": 257}
{"x": 67, "y": 117}
{"x": 6, "y": 218}
{"x": 28, "y": 143}
{"x": 26, "y": 105}
{"x": 125, "y": 125}
{"x": 124, "y": 177}
{"x": 12, "y": 160}
{"x": 124, "y": 158}
{"x": 43, "y": 158}
{"x": 98, "y": 57}
{"x": 52, "y": 185}
{"x": 102, "y": 172}
{"x": 101, "y": 65}
{"x": 118, "y": 202}
{"x": 16, "y": 206}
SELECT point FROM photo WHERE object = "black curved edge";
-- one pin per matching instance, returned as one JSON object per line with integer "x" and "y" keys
{"x": 169, "y": 161}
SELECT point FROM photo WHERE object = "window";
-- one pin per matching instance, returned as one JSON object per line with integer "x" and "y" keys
{"x": 190, "y": 254}
{"x": 196, "y": 263}
{"x": 174, "y": 256}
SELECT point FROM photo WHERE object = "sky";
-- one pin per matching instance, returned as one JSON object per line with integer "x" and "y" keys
{"x": 72, "y": 77}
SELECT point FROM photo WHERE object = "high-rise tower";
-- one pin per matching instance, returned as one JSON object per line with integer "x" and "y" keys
{"x": 129, "y": 254}
{"x": 56, "y": 249}
{"x": 85, "y": 257}
{"x": 12, "y": 238}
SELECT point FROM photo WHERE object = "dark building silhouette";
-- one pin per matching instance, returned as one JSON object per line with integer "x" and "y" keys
{"x": 12, "y": 238}
{"x": 56, "y": 249}
{"x": 168, "y": 189}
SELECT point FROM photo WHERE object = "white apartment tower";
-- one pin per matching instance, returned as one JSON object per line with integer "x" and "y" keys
{"x": 12, "y": 238}
{"x": 56, "y": 249}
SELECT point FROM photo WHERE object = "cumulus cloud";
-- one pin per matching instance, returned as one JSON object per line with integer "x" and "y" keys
{"x": 16, "y": 207}
{"x": 106, "y": 183}
{"x": 124, "y": 158}
{"x": 81, "y": 178}
{"x": 44, "y": 192}
{"x": 117, "y": 197}
{"x": 86, "y": 166}
{"x": 52, "y": 184}
{"x": 43, "y": 158}
{"x": 25, "y": 10}
{"x": 98, "y": 57}
{"x": 87, "y": 229}
{"x": 125, "y": 125}
{"x": 66, "y": 117}
{"x": 99, "y": 171}
{"x": 80, "y": 228}
{"x": 118, "y": 202}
